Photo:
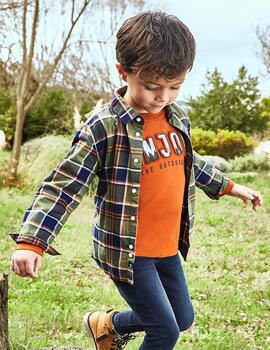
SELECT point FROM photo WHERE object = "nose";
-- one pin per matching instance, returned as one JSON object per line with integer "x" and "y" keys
{"x": 162, "y": 95}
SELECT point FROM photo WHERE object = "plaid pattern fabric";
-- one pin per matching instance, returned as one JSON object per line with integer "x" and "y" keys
{"x": 109, "y": 145}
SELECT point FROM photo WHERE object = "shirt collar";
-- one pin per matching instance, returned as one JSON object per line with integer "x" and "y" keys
{"x": 121, "y": 108}
{"x": 126, "y": 113}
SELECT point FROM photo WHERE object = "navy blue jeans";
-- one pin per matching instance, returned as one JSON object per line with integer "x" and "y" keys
{"x": 159, "y": 301}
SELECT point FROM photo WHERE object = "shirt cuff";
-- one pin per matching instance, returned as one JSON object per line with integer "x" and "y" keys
{"x": 34, "y": 241}
{"x": 228, "y": 188}
{"x": 33, "y": 248}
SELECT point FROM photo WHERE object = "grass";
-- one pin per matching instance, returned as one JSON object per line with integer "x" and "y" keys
{"x": 227, "y": 272}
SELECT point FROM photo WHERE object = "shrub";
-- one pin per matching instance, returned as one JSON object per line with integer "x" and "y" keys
{"x": 266, "y": 114}
{"x": 204, "y": 141}
{"x": 52, "y": 114}
{"x": 40, "y": 156}
{"x": 7, "y": 114}
{"x": 251, "y": 162}
{"x": 232, "y": 143}
{"x": 224, "y": 143}
{"x": 5, "y": 157}
{"x": 230, "y": 106}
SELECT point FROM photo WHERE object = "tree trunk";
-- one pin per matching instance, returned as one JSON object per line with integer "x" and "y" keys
{"x": 4, "y": 311}
{"x": 12, "y": 173}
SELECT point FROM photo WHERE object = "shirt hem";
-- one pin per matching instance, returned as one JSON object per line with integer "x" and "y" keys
{"x": 156, "y": 254}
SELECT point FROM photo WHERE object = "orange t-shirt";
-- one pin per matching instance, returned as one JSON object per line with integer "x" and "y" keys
{"x": 161, "y": 188}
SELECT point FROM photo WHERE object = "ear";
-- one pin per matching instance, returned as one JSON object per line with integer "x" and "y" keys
{"x": 121, "y": 71}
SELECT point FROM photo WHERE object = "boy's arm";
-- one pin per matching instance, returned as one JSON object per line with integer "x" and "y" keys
{"x": 247, "y": 194}
{"x": 59, "y": 195}
{"x": 26, "y": 263}
{"x": 212, "y": 181}
{"x": 62, "y": 191}
{"x": 215, "y": 184}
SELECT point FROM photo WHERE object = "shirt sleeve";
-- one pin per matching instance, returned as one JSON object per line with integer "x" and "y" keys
{"x": 229, "y": 188}
{"x": 60, "y": 193}
{"x": 208, "y": 178}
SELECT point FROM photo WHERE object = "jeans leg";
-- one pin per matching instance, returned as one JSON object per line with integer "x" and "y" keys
{"x": 127, "y": 322}
{"x": 151, "y": 310}
{"x": 173, "y": 279}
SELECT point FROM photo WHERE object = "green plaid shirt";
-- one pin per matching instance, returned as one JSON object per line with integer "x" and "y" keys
{"x": 110, "y": 145}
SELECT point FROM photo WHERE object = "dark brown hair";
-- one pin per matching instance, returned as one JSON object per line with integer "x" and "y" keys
{"x": 156, "y": 43}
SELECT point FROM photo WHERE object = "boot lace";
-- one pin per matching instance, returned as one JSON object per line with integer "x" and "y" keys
{"x": 119, "y": 342}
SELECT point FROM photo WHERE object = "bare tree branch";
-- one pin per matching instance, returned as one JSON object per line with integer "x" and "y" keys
{"x": 32, "y": 47}
{"x": 41, "y": 60}
{"x": 263, "y": 35}
{"x": 57, "y": 58}
{"x": 72, "y": 11}
{"x": 10, "y": 5}
{"x": 24, "y": 34}
{"x": 24, "y": 49}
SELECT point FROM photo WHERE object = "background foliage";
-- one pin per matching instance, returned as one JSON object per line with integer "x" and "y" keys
{"x": 224, "y": 143}
{"x": 7, "y": 114}
{"x": 231, "y": 106}
{"x": 228, "y": 269}
{"x": 52, "y": 114}
{"x": 251, "y": 162}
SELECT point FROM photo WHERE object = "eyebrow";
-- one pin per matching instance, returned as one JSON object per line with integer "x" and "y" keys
{"x": 153, "y": 83}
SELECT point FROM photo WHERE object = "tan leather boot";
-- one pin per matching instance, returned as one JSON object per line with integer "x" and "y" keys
{"x": 100, "y": 327}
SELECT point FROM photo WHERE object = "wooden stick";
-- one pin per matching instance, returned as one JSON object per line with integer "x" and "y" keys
{"x": 4, "y": 311}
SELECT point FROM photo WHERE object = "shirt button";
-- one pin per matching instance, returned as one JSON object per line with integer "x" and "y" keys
{"x": 136, "y": 160}
{"x": 137, "y": 134}
{"x": 130, "y": 246}
{"x": 138, "y": 119}
{"x": 130, "y": 255}
{"x": 133, "y": 190}
{"x": 132, "y": 218}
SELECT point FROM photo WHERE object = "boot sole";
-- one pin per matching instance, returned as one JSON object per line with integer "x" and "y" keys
{"x": 88, "y": 328}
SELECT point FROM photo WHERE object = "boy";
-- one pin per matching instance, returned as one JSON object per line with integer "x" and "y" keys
{"x": 139, "y": 145}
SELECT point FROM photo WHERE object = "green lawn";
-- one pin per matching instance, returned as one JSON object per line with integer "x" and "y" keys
{"x": 227, "y": 270}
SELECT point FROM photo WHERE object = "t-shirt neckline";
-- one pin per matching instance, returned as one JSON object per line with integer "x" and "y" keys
{"x": 153, "y": 115}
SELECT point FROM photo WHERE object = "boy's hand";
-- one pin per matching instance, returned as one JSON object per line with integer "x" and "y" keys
{"x": 247, "y": 194}
{"x": 26, "y": 263}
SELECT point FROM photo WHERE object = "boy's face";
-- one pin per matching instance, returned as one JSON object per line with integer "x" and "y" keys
{"x": 149, "y": 95}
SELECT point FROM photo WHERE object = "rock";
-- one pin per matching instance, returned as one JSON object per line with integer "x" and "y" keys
{"x": 264, "y": 147}
{"x": 219, "y": 163}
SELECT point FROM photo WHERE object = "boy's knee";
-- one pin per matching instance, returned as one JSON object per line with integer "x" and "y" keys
{"x": 187, "y": 322}
{"x": 171, "y": 334}
{"x": 165, "y": 335}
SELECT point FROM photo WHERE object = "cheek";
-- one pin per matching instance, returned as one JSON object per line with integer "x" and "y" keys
{"x": 145, "y": 95}
{"x": 175, "y": 93}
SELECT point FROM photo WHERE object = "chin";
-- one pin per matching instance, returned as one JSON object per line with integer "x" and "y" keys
{"x": 155, "y": 109}
{"x": 151, "y": 109}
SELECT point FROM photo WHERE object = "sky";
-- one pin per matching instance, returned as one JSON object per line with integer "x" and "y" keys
{"x": 225, "y": 34}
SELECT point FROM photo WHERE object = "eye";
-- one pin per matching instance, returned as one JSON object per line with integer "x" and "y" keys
{"x": 150, "y": 88}
{"x": 175, "y": 88}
